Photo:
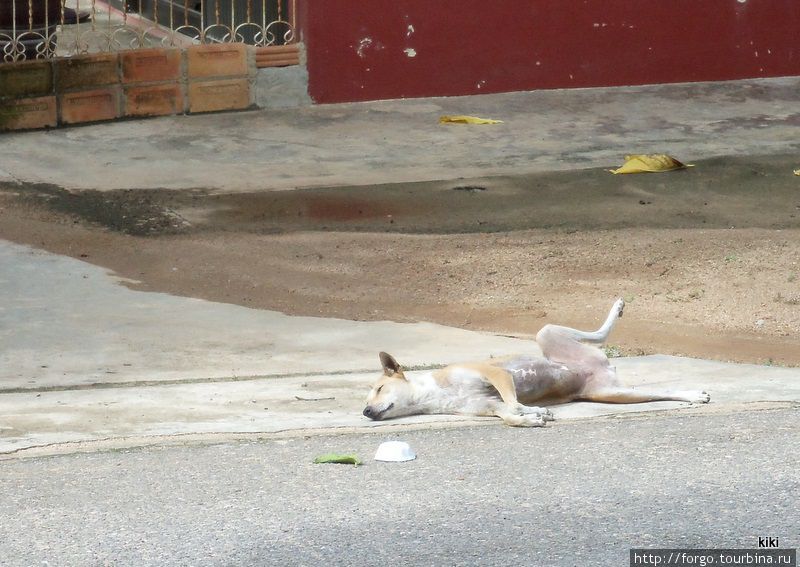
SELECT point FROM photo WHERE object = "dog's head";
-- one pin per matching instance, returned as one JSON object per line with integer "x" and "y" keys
{"x": 391, "y": 396}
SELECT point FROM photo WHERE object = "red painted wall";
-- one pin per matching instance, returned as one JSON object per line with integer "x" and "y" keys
{"x": 357, "y": 49}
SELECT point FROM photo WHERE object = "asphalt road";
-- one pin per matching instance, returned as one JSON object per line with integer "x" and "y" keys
{"x": 579, "y": 493}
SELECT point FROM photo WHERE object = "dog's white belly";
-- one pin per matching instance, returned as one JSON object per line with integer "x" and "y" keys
{"x": 468, "y": 393}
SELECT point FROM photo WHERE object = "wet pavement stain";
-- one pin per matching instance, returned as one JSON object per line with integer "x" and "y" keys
{"x": 717, "y": 193}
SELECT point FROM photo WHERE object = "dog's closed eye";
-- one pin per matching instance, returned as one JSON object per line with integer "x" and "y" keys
{"x": 378, "y": 391}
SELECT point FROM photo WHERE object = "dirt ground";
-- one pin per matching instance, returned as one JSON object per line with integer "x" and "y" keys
{"x": 707, "y": 258}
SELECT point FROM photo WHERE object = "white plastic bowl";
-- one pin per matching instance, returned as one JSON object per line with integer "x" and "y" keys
{"x": 395, "y": 452}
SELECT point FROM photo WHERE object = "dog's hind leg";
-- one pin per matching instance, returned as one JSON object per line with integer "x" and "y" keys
{"x": 621, "y": 395}
{"x": 597, "y": 379}
{"x": 586, "y": 362}
{"x": 569, "y": 346}
{"x": 598, "y": 337}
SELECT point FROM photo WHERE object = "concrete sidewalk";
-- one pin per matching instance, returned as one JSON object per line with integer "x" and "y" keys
{"x": 86, "y": 363}
{"x": 401, "y": 140}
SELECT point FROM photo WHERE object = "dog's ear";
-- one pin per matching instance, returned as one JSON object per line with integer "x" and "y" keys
{"x": 390, "y": 365}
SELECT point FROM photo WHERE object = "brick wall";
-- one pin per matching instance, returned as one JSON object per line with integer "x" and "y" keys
{"x": 107, "y": 86}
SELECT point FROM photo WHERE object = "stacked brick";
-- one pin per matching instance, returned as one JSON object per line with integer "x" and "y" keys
{"x": 27, "y": 95}
{"x": 107, "y": 86}
{"x": 152, "y": 82}
{"x": 220, "y": 77}
{"x": 87, "y": 88}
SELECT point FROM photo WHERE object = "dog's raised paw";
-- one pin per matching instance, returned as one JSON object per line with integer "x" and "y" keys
{"x": 619, "y": 307}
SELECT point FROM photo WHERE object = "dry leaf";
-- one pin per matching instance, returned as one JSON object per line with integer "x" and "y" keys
{"x": 461, "y": 119}
{"x": 797, "y": 171}
{"x": 649, "y": 163}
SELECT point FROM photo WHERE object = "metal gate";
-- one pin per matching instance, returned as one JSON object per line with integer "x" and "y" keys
{"x": 41, "y": 29}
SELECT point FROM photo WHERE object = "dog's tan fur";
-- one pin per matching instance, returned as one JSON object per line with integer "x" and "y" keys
{"x": 570, "y": 370}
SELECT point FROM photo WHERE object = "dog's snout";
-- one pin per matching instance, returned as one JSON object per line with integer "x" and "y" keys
{"x": 376, "y": 414}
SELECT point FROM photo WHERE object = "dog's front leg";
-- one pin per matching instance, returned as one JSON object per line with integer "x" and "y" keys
{"x": 510, "y": 410}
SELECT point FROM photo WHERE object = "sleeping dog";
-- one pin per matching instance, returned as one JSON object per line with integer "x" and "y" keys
{"x": 570, "y": 370}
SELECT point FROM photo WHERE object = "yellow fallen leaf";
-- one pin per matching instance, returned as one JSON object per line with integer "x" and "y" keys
{"x": 649, "y": 163}
{"x": 461, "y": 119}
{"x": 797, "y": 171}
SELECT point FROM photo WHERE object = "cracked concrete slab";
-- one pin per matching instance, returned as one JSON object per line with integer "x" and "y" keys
{"x": 130, "y": 415}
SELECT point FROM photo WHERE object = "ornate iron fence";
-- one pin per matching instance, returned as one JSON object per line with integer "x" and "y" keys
{"x": 42, "y": 29}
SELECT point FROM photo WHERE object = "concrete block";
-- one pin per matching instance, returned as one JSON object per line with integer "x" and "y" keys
{"x": 86, "y": 71}
{"x": 282, "y": 87}
{"x": 151, "y": 65}
{"x": 218, "y": 60}
{"x": 210, "y": 96}
{"x": 26, "y": 78}
{"x": 90, "y": 106}
{"x": 28, "y": 113}
{"x": 154, "y": 100}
